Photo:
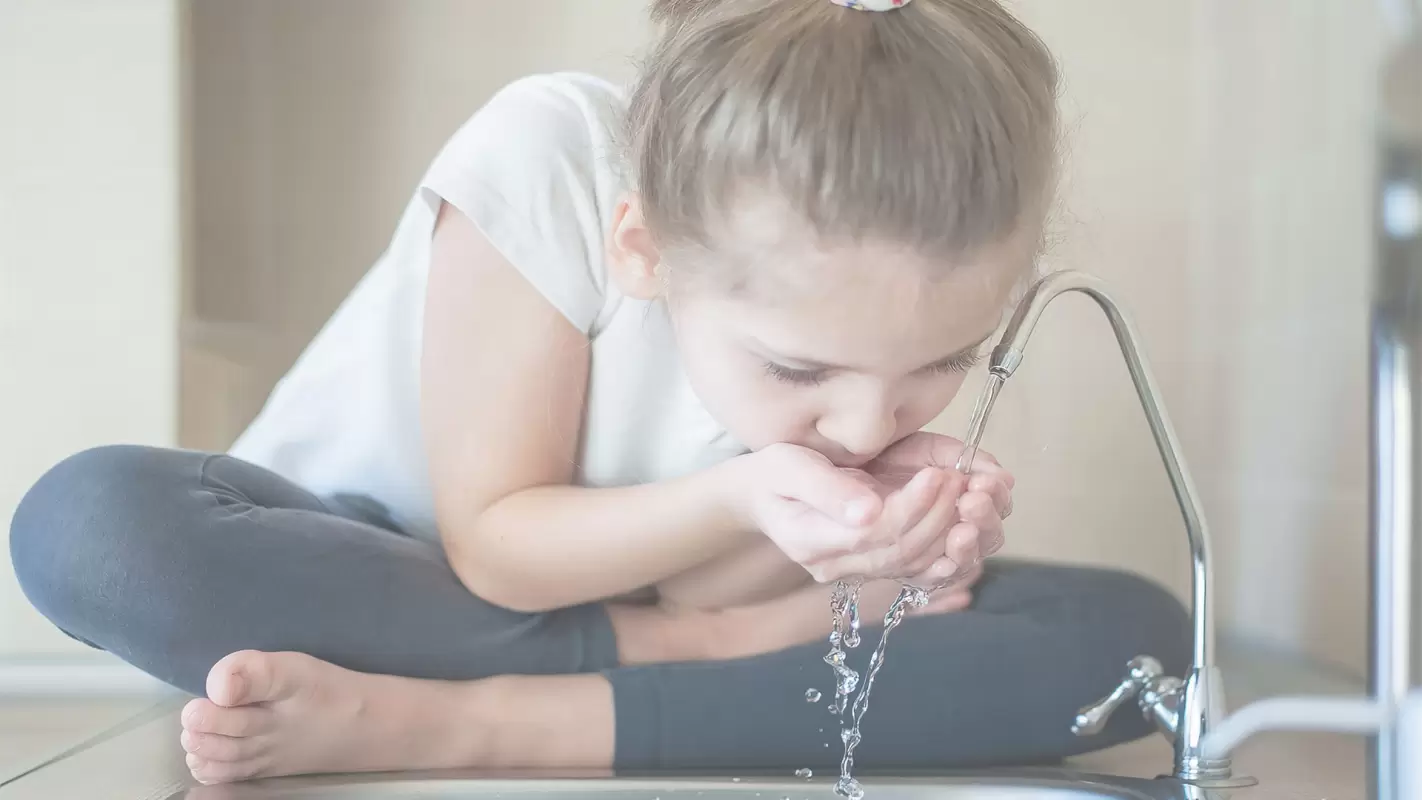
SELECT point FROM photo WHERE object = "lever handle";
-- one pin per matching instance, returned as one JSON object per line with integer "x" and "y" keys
{"x": 1143, "y": 671}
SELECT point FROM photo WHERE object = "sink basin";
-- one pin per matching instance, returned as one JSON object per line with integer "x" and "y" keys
{"x": 1038, "y": 785}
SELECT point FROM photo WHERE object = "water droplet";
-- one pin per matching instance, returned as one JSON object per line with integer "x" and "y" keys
{"x": 852, "y": 640}
{"x": 850, "y": 788}
{"x": 812, "y": 695}
{"x": 804, "y": 772}
{"x": 735, "y": 780}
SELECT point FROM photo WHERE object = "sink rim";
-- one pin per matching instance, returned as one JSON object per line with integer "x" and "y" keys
{"x": 526, "y": 784}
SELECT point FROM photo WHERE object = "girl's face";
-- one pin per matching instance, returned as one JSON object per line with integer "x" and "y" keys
{"x": 843, "y": 350}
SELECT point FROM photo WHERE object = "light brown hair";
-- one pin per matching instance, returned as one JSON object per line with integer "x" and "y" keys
{"x": 933, "y": 126}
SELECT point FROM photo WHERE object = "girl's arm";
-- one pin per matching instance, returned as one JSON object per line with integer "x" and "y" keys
{"x": 503, "y": 380}
{"x": 752, "y": 574}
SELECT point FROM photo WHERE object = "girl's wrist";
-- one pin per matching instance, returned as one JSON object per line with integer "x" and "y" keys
{"x": 728, "y": 488}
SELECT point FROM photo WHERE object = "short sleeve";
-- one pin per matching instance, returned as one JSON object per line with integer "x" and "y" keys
{"x": 532, "y": 169}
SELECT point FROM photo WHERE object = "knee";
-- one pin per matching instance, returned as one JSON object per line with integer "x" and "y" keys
{"x": 1111, "y": 616}
{"x": 87, "y": 523}
{"x": 1122, "y": 615}
{"x": 1090, "y": 623}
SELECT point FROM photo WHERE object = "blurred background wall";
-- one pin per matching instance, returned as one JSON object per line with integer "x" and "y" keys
{"x": 194, "y": 186}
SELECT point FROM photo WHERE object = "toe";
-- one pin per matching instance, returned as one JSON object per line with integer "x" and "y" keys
{"x": 251, "y": 676}
{"x": 215, "y": 747}
{"x": 205, "y": 716}
{"x": 207, "y": 771}
{"x": 196, "y": 713}
{"x": 240, "y": 678}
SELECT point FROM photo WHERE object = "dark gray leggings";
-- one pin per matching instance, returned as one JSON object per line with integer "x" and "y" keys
{"x": 171, "y": 560}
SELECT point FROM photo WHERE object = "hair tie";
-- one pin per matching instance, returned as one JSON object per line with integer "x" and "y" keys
{"x": 871, "y": 5}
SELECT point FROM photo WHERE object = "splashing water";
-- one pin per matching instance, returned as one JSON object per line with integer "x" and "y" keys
{"x": 909, "y": 598}
{"x": 812, "y": 695}
{"x": 844, "y": 599}
{"x": 851, "y": 639}
{"x": 804, "y": 772}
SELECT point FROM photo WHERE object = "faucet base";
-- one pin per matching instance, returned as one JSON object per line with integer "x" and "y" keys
{"x": 1242, "y": 782}
{"x": 1201, "y": 703}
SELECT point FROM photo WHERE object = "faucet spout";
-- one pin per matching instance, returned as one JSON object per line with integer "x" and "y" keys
{"x": 1201, "y": 699}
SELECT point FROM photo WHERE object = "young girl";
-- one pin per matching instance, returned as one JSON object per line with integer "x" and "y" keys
{"x": 560, "y": 484}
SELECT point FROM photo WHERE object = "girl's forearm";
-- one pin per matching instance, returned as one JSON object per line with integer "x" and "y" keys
{"x": 550, "y": 547}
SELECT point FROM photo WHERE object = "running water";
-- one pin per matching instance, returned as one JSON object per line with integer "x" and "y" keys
{"x": 846, "y": 626}
{"x": 844, "y": 611}
{"x": 909, "y": 598}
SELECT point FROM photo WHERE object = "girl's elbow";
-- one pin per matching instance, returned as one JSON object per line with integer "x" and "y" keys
{"x": 499, "y": 585}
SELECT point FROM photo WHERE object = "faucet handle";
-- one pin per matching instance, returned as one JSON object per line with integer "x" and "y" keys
{"x": 1143, "y": 673}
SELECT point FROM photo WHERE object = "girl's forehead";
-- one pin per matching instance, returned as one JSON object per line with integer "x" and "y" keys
{"x": 893, "y": 315}
{"x": 825, "y": 272}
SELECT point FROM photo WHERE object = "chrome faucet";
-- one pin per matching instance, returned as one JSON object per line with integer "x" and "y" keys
{"x": 1184, "y": 710}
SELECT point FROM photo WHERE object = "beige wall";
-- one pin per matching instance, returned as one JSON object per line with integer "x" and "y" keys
{"x": 1217, "y": 179}
{"x": 89, "y": 245}
{"x": 313, "y": 121}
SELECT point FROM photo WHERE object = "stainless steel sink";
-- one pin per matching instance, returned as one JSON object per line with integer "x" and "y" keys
{"x": 1035, "y": 785}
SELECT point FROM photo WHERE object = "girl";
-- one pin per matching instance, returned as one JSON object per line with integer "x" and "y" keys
{"x": 556, "y": 484}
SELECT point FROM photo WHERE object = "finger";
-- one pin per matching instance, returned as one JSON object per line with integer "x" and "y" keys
{"x": 962, "y": 548}
{"x": 991, "y": 539}
{"x": 917, "y": 544}
{"x": 968, "y": 579}
{"x": 925, "y": 560}
{"x": 838, "y": 568}
{"x": 943, "y": 574}
{"x": 998, "y": 487}
{"x": 978, "y": 508}
{"x": 811, "y": 479}
{"x": 958, "y": 566}
{"x": 906, "y": 508}
{"x": 984, "y": 461}
{"x": 816, "y": 537}
{"x": 874, "y": 564}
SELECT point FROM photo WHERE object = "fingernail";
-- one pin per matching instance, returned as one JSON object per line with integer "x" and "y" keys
{"x": 237, "y": 685}
{"x": 856, "y": 512}
{"x": 992, "y": 546}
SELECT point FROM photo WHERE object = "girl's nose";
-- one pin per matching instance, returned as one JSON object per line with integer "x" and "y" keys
{"x": 862, "y": 431}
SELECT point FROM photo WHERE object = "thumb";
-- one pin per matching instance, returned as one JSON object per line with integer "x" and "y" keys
{"x": 811, "y": 479}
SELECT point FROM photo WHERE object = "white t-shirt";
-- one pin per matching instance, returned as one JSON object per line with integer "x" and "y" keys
{"x": 537, "y": 170}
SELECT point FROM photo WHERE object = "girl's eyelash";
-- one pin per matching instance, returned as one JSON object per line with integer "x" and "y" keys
{"x": 814, "y": 377}
{"x": 962, "y": 363}
{"x": 799, "y": 377}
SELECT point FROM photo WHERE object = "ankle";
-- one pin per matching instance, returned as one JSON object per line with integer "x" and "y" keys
{"x": 443, "y": 724}
{"x": 662, "y": 634}
{"x": 545, "y": 721}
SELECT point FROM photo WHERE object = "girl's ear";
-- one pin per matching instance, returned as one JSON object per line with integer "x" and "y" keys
{"x": 633, "y": 260}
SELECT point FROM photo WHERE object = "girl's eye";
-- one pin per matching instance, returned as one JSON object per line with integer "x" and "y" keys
{"x": 799, "y": 377}
{"x": 958, "y": 364}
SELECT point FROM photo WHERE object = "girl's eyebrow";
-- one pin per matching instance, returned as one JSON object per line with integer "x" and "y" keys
{"x": 813, "y": 364}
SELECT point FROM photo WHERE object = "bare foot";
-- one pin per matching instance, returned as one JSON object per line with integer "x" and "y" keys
{"x": 271, "y": 714}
